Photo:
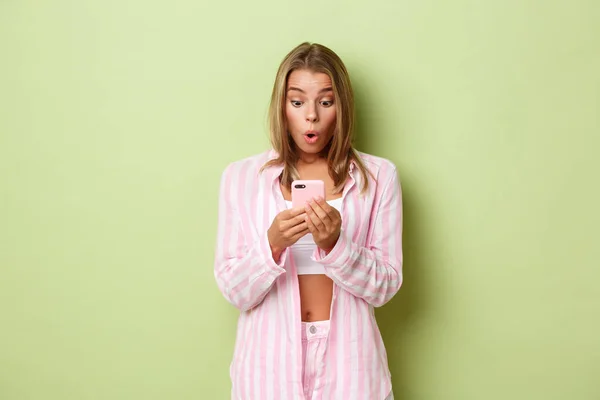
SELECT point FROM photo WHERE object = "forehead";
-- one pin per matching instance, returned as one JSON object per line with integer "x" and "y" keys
{"x": 306, "y": 79}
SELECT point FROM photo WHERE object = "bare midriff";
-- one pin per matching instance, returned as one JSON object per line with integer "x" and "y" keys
{"x": 316, "y": 292}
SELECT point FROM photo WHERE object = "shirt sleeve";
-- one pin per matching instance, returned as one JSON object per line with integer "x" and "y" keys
{"x": 244, "y": 267}
{"x": 372, "y": 272}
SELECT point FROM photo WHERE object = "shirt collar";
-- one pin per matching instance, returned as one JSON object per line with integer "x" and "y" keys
{"x": 276, "y": 170}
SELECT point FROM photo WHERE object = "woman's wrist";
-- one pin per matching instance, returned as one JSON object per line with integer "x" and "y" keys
{"x": 327, "y": 249}
{"x": 275, "y": 253}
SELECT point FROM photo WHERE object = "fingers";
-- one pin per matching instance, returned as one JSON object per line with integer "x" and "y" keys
{"x": 291, "y": 217}
{"x": 319, "y": 217}
{"x": 293, "y": 212}
{"x": 319, "y": 208}
{"x": 332, "y": 212}
{"x": 315, "y": 223}
{"x": 297, "y": 229}
{"x": 290, "y": 223}
{"x": 311, "y": 226}
{"x": 294, "y": 228}
{"x": 322, "y": 203}
{"x": 299, "y": 235}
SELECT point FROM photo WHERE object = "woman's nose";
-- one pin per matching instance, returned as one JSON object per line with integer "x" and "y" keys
{"x": 311, "y": 116}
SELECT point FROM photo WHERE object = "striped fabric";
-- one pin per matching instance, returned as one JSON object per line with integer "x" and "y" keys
{"x": 365, "y": 264}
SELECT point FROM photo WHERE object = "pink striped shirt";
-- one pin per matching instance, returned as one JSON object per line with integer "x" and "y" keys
{"x": 365, "y": 265}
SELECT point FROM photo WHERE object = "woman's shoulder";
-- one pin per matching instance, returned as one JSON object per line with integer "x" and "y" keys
{"x": 376, "y": 165}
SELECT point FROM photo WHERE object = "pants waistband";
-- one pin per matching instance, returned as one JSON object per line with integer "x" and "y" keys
{"x": 315, "y": 330}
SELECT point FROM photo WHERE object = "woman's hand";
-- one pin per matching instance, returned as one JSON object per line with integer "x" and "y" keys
{"x": 324, "y": 223}
{"x": 285, "y": 230}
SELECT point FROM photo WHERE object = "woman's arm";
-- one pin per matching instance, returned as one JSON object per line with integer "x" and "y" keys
{"x": 244, "y": 267}
{"x": 374, "y": 272}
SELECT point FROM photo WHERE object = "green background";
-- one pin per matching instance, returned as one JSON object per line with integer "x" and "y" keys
{"x": 117, "y": 118}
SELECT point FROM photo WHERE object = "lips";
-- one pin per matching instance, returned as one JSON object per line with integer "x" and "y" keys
{"x": 311, "y": 137}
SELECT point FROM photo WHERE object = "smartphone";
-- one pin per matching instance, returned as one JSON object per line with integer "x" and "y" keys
{"x": 305, "y": 190}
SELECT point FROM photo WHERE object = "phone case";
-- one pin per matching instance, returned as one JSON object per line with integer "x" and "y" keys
{"x": 305, "y": 190}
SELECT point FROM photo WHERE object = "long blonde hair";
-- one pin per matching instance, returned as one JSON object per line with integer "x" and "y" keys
{"x": 340, "y": 151}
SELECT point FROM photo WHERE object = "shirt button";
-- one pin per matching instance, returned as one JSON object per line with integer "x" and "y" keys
{"x": 313, "y": 329}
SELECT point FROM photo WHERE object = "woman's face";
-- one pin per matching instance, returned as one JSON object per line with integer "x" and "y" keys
{"x": 310, "y": 110}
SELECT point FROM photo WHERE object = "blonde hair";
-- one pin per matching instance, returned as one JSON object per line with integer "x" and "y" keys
{"x": 340, "y": 151}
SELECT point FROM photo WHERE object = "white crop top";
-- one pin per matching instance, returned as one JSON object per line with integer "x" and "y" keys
{"x": 304, "y": 248}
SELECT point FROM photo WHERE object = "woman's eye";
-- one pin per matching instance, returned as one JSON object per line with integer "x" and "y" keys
{"x": 296, "y": 103}
{"x": 327, "y": 103}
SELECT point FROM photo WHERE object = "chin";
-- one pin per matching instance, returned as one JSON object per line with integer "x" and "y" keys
{"x": 311, "y": 149}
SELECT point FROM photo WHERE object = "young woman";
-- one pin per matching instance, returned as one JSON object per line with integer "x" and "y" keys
{"x": 306, "y": 279}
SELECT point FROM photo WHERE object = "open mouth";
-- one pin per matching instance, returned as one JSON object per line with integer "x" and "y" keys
{"x": 311, "y": 137}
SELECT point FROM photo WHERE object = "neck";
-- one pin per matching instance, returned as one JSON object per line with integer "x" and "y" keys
{"x": 311, "y": 159}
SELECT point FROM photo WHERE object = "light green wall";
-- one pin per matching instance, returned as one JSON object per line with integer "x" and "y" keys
{"x": 117, "y": 117}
